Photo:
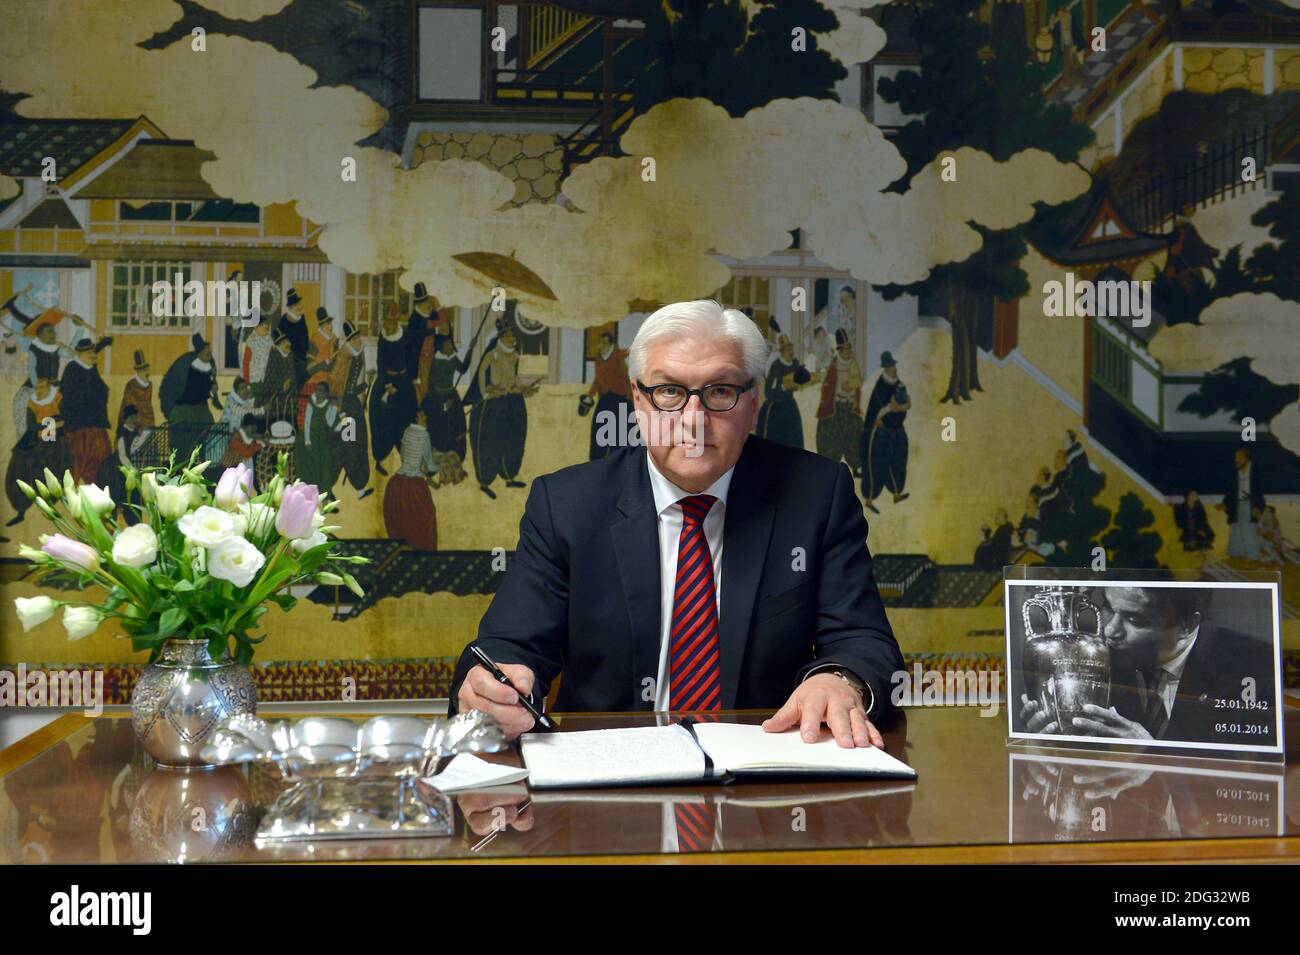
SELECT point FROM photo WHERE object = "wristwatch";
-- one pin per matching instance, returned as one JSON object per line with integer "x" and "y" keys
{"x": 852, "y": 680}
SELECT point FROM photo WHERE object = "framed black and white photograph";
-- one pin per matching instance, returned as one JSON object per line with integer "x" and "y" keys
{"x": 1145, "y": 663}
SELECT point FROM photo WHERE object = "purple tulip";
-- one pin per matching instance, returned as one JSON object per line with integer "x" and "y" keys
{"x": 71, "y": 552}
{"x": 297, "y": 508}
{"x": 234, "y": 487}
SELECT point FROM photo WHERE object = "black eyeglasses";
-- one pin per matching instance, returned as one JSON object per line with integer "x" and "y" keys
{"x": 719, "y": 397}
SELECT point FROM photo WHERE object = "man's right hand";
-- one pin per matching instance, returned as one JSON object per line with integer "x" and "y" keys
{"x": 480, "y": 691}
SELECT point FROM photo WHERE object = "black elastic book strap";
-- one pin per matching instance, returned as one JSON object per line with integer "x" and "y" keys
{"x": 688, "y": 723}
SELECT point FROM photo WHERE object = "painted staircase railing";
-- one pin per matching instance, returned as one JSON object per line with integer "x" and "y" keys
{"x": 550, "y": 30}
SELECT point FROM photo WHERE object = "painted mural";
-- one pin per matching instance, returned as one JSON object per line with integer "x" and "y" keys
{"x": 1030, "y": 269}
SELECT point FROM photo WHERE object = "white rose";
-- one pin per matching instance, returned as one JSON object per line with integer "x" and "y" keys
{"x": 149, "y": 486}
{"x": 304, "y": 544}
{"x": 97, "y": 497}
{"x": 240, "y": 522}
{"x": 137, "y": 546}
{"x": 197, "y": 494}
{"x": 173, "y": 501}
{"x": 80, "y": 621}
{"x": 317, "y": 521}
{"x": 34, "y": 611}
{"x": 260, "y": 517}
{"x": 235, "y": 560}
{"x": 207, "y": 527}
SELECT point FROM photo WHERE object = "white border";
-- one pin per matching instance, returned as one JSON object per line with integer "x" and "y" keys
{"x": 1279, "y": 700}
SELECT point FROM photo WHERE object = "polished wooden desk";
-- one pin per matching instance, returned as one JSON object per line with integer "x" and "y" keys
{"x": 81, "y": 791}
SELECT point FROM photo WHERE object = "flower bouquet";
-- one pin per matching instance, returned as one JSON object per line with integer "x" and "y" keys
{"x": 188, "y": 576}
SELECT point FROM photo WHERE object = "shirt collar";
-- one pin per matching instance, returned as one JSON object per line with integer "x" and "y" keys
{"x": 667, "y": 493}
{"x": 1175, "y": 666}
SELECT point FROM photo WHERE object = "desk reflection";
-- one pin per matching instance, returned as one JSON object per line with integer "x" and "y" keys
{"x": 659, "y": 821}
{"x": 94, "y": 797}
{"x": 1064, "y": 799}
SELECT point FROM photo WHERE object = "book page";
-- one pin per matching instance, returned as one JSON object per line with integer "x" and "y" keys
{"x": 640, "y": 754}
{"x": 736, "y": 747}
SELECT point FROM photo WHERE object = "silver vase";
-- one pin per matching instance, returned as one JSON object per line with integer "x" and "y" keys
{"x": 180, "y": 699}
{"x": 193, "y": 816}
{"x": 1066, "y": 662}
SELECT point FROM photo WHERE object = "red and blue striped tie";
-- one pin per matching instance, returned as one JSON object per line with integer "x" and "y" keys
{"x": 694, "y": 658}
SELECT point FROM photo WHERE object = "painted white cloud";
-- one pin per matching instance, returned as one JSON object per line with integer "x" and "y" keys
{"x": 856, "y": 40}
{"x": 246, "y": 9}
{"x": 734, "y": 186}
{"x": 1264, "y": 328}
{"x": 1286, "y": 427}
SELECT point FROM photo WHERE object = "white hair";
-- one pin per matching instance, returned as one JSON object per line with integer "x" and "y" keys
{"x": 703, "y": 320}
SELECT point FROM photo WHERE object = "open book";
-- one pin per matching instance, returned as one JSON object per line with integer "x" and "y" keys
{"x": 693, "y": 752}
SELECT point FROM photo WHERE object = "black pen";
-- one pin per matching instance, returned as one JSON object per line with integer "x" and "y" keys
{"x": 496, "y": 830}
{"x": 489, "y": 664}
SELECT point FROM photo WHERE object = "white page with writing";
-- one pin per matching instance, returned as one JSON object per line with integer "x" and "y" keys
{"x": 639, "y": 754}
{"x": 735, "y": 747}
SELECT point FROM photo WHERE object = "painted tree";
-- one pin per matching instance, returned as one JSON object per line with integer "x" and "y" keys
{"x": 780, "y": 63}
{"x": 1129, "y": 543}
{"x": 973, "y": 91}
{"x": 1234, "y": 387}
{"x": 695, "y": 52}
{"x": 1075, "y": 531}
{"x": 712, "y": 49}
{"x": 1274, "y": 264}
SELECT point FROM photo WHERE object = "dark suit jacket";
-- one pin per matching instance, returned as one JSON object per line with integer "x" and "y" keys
{"x": 1218, "y": 663}
{"x": 582, "y": 593}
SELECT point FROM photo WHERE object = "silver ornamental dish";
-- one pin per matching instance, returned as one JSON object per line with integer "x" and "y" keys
{"x": 329, "y": 747}
{"x": 350, "y": 780}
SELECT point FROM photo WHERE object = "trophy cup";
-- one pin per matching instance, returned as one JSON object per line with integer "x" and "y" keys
{"x": 1065, "y": 665}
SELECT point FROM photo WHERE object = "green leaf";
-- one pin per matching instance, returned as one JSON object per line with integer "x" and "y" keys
{"x": 183, "y": 586}
{"x": 217, "y": 647}
{"x": 171, "y": 621}
{"x": 243, "y": 652}
{"x": 143, "y": 641}
{"x": 115, "y": 599}
{"x": 285, "y": 602}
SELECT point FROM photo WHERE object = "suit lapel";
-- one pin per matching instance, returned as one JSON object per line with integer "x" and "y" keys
{"x": 745, "y": 537}
{"x": 636, "y": 548}
{"x": 1194, "y": 685}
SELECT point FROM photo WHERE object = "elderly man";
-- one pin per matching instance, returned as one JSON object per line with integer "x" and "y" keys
{"x": 706, "y": 569}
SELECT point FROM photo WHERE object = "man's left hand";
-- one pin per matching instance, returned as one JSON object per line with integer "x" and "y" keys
{"x": 825, "y": 698}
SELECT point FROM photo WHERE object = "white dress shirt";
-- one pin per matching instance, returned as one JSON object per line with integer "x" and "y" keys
{"x": 666, "y": 495}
